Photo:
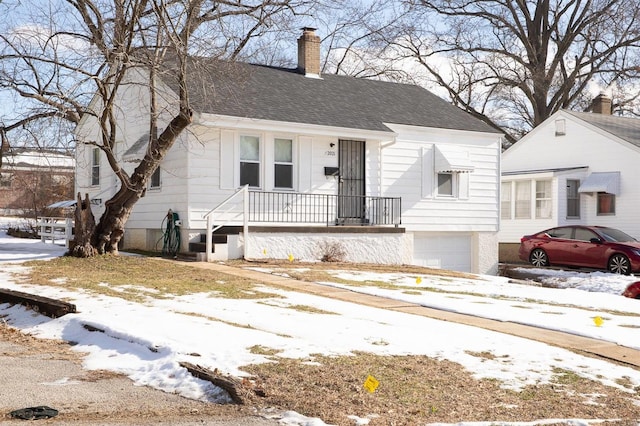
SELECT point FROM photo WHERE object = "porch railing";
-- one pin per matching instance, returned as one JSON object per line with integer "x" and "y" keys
{"x": 55, "y": 228}
{"x": 215, "y": 221}
{"x": 291, "y": 207}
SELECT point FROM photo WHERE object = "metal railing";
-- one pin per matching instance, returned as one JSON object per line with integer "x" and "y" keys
{"x": 245, "y": 206}
{"x": 215, "y": 216}
{"x": 291, "y": 207}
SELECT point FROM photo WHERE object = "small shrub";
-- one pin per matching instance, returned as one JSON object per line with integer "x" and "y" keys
{"x": 332, "y": 252}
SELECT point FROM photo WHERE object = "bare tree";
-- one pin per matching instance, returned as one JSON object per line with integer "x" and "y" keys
{"x": 513, "y": 63}
{"x": 74, "y": 63}
{"x": 355, "y": 38}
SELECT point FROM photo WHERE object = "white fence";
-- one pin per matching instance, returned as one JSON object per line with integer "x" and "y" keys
{"x": 55, "y": 228}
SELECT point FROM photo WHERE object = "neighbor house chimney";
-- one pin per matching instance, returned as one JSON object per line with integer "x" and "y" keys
{"x": 601, "y": 104}
{"x": 309, "y": 53}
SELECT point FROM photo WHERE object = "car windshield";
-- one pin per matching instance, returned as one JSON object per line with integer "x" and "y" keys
{"x": 615, "y": 235}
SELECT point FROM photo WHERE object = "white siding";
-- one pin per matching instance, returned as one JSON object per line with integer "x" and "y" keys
{"x": 202, "y": 169}
{"x": 582, "y": 145}
{"x": 132, "y": 106}
{"x": 409, "y": 173}
{"x": 215, "y": 172}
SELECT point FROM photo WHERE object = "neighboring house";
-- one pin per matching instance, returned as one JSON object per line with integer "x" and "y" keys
{"x": 574, "y": 168}
{"x": 382, "y": 172}
{"x": 31, "y": 179}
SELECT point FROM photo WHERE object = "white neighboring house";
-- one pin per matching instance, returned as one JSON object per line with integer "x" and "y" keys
{"x": 389, "y": 173}
{"x": 574, "y": 168}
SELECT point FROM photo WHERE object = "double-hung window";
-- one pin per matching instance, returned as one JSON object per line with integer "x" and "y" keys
{"x": 95, "y": 167}
{"x": 573, "y": 199}
{"x": 523, "y": 199}
{"x": 505, "y": 200}
{"x": 250, "y": 161}
{"x": 283, "y": 163}
{"x": 543, "y": 199}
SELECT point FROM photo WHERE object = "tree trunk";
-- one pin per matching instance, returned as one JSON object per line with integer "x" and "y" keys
{"x": 110, "y": 230}
{"x": 84, "y": 225}
{"x": 104, "y": 237}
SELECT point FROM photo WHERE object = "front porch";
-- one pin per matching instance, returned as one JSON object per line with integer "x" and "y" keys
{"x": 259, "y": 224}
{"x": 331, "y": 210}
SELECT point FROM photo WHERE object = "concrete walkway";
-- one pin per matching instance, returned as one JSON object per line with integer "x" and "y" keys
{"x": 585, "y": 345}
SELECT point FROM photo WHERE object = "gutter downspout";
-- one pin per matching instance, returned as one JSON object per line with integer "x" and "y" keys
{"x": 381, "y": 147}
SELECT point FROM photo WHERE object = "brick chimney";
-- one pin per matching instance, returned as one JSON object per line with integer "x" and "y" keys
{"x": 601, "y": 104}
{"x": 309, "y": 53}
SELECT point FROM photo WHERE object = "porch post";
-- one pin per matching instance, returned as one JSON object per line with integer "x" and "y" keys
{"x": 209, "y": 233}
{"x": 68, "y": 233}
{"x": 245, "y": 221}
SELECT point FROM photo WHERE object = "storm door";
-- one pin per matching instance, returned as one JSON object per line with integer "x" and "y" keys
{"x": 351, "y": 189}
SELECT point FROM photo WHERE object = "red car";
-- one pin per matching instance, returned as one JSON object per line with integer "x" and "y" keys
{"x": 633, "y": 290}
{"x": 595, "y": 247}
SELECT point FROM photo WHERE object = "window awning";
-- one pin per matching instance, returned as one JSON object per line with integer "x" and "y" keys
{"x": 608, "y": 182}
{"x": 449, "y": 159}
{"x": 62, "y": 204}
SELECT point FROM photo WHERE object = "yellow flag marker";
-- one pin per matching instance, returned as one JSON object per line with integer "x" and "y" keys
{"x": 291, "y": 257}
{"x": 598, "y": 321}
{"x": 419, "y": 280}
{"x": 264, "y": 252}
{"x": 371, "y": 384}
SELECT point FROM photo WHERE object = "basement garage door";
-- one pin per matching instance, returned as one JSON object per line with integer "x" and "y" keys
{"x": 446, "y": 251}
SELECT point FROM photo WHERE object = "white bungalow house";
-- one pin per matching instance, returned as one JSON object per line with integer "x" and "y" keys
{"x": 574, "y": 168}
{"x": 382, "y": 172}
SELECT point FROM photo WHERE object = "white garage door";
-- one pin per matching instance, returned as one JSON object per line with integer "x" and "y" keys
{"x": 446, "y": 251}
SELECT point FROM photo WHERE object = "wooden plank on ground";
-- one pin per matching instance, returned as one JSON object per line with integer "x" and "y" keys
{"x": 240, "y": 391}
{"x": 50, "y": 307}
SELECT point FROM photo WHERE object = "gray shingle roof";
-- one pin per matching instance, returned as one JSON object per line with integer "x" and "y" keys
{"x": 626, "y": 128}
{"x": 283, "y": 94}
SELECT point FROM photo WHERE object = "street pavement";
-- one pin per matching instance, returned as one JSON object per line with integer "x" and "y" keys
{"x": 44, "y": 373}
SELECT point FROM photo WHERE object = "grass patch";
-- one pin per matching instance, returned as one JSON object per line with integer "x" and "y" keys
{"x": 416, "y": 390}
{"x": 483, "y": 354}
{"x": 566, "y": 377}
{"x": 263, "y": 350}
{"x": 626, "y": 382}
{"x": 310, "y": 309}
{"x": 123, "y": 276}
{"x": 521, "y": 306}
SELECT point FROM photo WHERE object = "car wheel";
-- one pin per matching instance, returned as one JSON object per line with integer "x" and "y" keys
{"x": 619, "y": 264}
{"x": 538, "y": 257}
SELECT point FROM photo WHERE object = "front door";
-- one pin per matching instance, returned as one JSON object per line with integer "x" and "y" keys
{"x": 351, "y": 189}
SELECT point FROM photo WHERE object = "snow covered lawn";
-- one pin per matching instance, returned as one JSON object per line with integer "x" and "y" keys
{"x": 147, "y": 340}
